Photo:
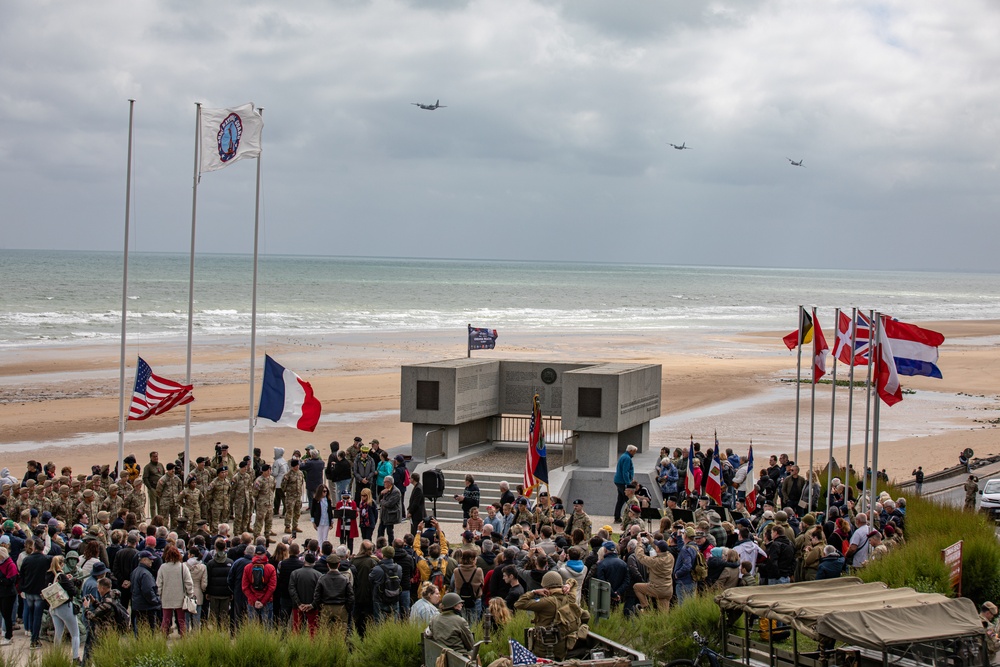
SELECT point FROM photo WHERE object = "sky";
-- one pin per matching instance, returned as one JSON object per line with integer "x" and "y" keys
{"x": 554, "y": 143}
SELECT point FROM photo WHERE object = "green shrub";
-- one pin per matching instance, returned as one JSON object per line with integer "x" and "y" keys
{"x": 499, "y": 645}
{"x": 56, "y": 657}
{"x": 386, "y": 644}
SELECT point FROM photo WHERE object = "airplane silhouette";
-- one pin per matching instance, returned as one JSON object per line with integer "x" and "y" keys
{"x": 796, "y": 164}
{"x": 429, "y": 107}
{"x": 682, "y": 147}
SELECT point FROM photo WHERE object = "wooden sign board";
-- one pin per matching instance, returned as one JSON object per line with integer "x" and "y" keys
{"x": 952, "y": 557}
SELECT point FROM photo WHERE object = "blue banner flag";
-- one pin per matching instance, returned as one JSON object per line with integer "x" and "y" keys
{"x": 482, "y": 339}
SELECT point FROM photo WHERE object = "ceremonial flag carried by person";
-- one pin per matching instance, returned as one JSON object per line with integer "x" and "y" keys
{"x": 860, "y": 331}
{"x": 915, "y": 350}
{"x": 819, "y": 351}
{"x": 713, "y": 487}
{"x": 519, "y": 655}
{"x": 886, "y": 380}
{"x": 228, "y": 135}
{"x": 689, "y": 480}
{"x": 287, "y": 399}
{"x": 482, "y": 339}
{"x": 805, "y": 329}
{"x": 749, "y": 485}
{"x": 535, "y": 466}
{"x": 154, "y": 395}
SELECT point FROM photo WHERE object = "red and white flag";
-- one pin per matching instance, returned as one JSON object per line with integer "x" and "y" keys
{"x": 887, "y": 380}
{"x": 713, "y": 487}
{"x": 154, "y": 395}
{"x": 861, "y": 333}
{"x": 820, "y": 349}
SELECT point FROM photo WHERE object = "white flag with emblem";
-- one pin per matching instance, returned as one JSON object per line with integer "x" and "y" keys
{"x": 228, "y": 135}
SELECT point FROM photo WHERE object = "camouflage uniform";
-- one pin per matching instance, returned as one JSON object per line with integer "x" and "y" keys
{"x": 242, "y": 509}
{"x": 542, "y": 516}
{"x": 190, "y": 500}
{"x": 151, "y": 474}
{"x": 205, "y": 477}
{"x": 113, "y": 503}
{"x": 136, "y": 502}
{"x": 167, "y": 491}
{"x": 88, "y": 506}
{"x": 292, "y": 485}
{"x": 218, "y": 501}
{"x": 581, "y": 521}
{"x": 263, "y": 496}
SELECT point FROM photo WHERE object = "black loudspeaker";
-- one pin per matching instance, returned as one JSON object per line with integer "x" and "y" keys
{"x": 433, "y": 481}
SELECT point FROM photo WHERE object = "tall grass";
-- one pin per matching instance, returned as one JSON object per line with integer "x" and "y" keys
{"x": 385, "y": 644}
{"x": 499, "y": 645}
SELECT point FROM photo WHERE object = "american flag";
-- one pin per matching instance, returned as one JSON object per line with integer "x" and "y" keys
{"x": 154, "y": 395}
{"x": 522, "y": 656}
{"x": 536, "y": 468}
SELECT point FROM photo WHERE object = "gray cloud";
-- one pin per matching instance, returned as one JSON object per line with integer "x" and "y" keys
{"x": 554, "y": 140}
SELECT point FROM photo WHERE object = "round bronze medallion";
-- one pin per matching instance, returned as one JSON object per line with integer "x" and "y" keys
{"x": 548, "y": 375}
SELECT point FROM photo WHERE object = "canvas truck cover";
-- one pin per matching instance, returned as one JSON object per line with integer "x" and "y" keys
{"x": 849, "y": 610}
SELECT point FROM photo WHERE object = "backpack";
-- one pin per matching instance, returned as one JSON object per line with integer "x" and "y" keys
{"x": 466, "y": 591}
{"x": 122, "y": 621}
{"x": 415, "y": 577}
{"x": 257, "y": 577}
{"x": 389, "y": 588}
{"x": 568, "y": 619}
{"x": 699, "y": 568}
{"x": 406, "y": 477}
{"x": 438, "y": 568}
{"x": 728, "y": 473}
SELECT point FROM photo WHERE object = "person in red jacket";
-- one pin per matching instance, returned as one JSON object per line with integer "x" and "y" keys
{"x": 259, "y": 581}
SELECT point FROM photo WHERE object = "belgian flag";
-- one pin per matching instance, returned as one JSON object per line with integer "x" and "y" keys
{"x": 805, "y": 328}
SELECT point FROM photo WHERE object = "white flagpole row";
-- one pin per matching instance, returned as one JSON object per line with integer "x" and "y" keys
{"x": 190, "y": 325}
{"x": 253, "y": 308}
{"x": 798, "y": 386}
{"x": 833, "y": 411}
{"x": 868, "y": 405}
{"x": 850, "y": 398}
{"x": 121, "y": 366}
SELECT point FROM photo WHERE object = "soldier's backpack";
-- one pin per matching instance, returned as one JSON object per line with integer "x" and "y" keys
{"x": 438, "y": 568}
{"x": 699, "y": 568}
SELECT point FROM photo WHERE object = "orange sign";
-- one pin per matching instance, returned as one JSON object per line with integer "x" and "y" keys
{"x": 952, "y": 557}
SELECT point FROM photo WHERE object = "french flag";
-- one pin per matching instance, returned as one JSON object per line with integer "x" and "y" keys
{"x": 914, "y": 349}
{"x": 287, "y": 399}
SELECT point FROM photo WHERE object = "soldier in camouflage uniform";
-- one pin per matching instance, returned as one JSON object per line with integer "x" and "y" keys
{"x": 190, "y": 500}
{"x": 291, "y": 486}
{"x": 218, "y": 499}
{"x": 88, "y": 507}
{"x": 20, "y": 503}
{"x": 205, "y": 477}
{"x": 263, "y": 497}
{"x": 522, "y": 515}
{"x": 113, "y": 502}
{"x": 136, "y": 501}
{"x": 579, "y": 519}
{"x": 151, "y": 474}
{"x": 352, "y": 452}
{"x": 242, "y": 509}
{"x": 542, "y": 516}
{"x": 168, "y": 490}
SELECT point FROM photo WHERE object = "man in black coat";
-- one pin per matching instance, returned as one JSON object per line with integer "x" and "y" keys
{"x": 780, "y": 557}
{"x": 146, "y": 608}
{"x": 31, "y": 581}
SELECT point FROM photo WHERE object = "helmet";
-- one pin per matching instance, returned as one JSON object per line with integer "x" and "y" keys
{"x": 552, "y": 580}
{"x": 452, "y": 600}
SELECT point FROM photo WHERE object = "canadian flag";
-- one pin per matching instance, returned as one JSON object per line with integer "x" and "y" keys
{"x": 713, "y": 487}
{"x": 887, "y": 381}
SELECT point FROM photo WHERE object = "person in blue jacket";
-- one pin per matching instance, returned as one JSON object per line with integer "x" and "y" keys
{"x": 624, "y": 474}
{"x": 613, "y": 570}
{"x": 684, "y": 585}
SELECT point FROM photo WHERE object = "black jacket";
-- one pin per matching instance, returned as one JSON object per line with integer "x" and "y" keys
{"x": 217, "y": 578}
{"x": 144, "y": 595}
{"x": 285, "y": 570}
{"x": 32, "y": 574}
{"x": 333, "y": 588}
{"x": 302, "y": 585}
{"x": 406, "y": 563}
{"x": 780, "y": 558}
{"x": 316, "y": 512}
{"x": 416, "y": 505}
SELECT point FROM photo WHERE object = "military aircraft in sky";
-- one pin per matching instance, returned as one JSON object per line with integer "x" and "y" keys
{"x": 429, "y": 107}
{"x": 796, "y": 164}
{"x": 682, "y": 147}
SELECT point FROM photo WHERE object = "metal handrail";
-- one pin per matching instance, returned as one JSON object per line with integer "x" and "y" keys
{"x": 440, "y": 443}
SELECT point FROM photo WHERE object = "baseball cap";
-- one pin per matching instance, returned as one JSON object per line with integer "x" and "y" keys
{"x": 145, "y": 554}
{"x": 261, "y": 549}
{"x": 609, "y": 546}
{"x": 577, "y": 502}
{"x": 690, "y": 532}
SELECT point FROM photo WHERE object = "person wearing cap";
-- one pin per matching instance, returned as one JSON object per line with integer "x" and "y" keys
{"x": 345, "y": 511}
{"x": 263, "y": 498}
{"x": 449, "y": 628}
{"x": 145, "y": 598}
{"x": 684, "y": 566}
{"x": 400, "y": 473}
{"x": 114, "y": 501}
{"x": 219, "y": 498}
{"x": 660, "y": 567}
{"x": 613, "y": 570}
{"x": 224, "y": 459}
{"x": 241, "y": 500}
{"x": 190, "y": 500}
{"x": 312, "y": 467}
{"x": 259, "y": 582}
{"x": 364, "y": 471}
{"x": 302, "y": 586}
{"x": 553, "y": 605}
{"x": 988, "y": 615}
{"x": 292, "y": 486}
{"x": 151, "y": 474}
{"x": 353, "y": 450}
{"x": 136, "y": 500}
{"x": 205, "y": 476}
{"x": 386, "y": 583}
{"x": 168, "y": 491}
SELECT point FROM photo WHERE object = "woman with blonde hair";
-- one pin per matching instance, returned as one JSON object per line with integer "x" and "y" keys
{"x": 367, "y": 514}
{"x": 500, "y": 614}
{"x": 426, "y": 607}
{"x": 63, "y": 617}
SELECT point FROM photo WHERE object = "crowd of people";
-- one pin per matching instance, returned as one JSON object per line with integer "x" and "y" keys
{"x": 110, "y": 551}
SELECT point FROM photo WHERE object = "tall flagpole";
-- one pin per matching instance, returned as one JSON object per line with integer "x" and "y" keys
{"x": 833, "y": 410}
{"x": 850, "y": 397}
{"x": 190, "y": 330}
{"x": 253, "y": 311}
{"x": 874, "y": 481}
{"x": 868, "y": 403}
{"x": 812, "y": 412}
{"x": 121, "y": 365}
{"x": 798, "y": 387}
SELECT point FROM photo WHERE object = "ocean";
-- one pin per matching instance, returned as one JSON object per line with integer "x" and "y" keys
{"x": 60, "y": 297}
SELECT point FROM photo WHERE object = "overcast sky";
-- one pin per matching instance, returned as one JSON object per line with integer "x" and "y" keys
{"x": 555, "y": 140}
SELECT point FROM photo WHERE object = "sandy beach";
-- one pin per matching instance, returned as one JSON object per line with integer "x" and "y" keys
{"x": 60, "y": 403}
